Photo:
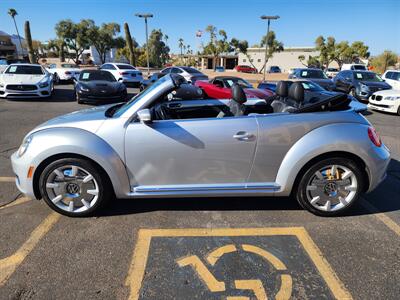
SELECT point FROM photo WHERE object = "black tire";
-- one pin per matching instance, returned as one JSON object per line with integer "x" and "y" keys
{"x": 104, "y": 193}
{"x": 56, "y": 78}
{"x": 78, "y": 98}
{"x": 301, "y": 189}
{"x": 398, "y": 111}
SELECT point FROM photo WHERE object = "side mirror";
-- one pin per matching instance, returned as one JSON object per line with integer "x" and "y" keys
{"x": 144, "y": 115}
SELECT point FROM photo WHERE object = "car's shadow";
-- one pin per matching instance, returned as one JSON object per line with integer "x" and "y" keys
{"x": 385, "y": 199}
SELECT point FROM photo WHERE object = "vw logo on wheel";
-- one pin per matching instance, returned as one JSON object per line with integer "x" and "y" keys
{"x": 72, "y": 188}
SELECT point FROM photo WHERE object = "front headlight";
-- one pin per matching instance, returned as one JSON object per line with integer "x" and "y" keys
{"x": 392, "y": 98}
{"x": 84, "y": 88}
{"x": 44, "y": 83}
{"x": 24, "y": 146}
{"x": 364, "y": 87}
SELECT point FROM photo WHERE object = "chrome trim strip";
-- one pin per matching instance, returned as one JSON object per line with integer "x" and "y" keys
{"x": 204, "y": 187}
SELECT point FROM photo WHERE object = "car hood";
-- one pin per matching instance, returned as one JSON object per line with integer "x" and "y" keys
{"x": 21, "y": 79}
{"x": 322, "y": 82}
{"x": 257, "y": 93}
{"x": 102, "y": 85}
{"x": 376, "y": 84}
{"x": 388, "y": 93}
{"x": 88, "y": 119}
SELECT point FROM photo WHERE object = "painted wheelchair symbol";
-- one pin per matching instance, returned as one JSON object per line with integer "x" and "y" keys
{"x": 255, "y": 285}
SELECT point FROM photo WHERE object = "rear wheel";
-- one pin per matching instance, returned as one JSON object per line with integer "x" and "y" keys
{"x": 73, "y": 187}
{"x": 330, "y": 187}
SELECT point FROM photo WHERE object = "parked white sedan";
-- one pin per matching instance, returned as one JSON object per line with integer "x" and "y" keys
{"x": 387, "y": 100}
{"x": 126, "y": 73}
{"x": 26, "y": 81}
{"x": 65, "y": 72}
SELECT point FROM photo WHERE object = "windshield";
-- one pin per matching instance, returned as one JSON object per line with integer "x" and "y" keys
{"x": 332, "y": 70}
{"x": 241, "y": 82}
{"x": 125, "y": 67}
{"x": 96, "y": 75}
{"x": 139, "y": 96}
{"x": 24, "y": 70}
{"x": 313, "y": 74}
{"x": 191, "y": 70}
{"x": 367, "y": 76}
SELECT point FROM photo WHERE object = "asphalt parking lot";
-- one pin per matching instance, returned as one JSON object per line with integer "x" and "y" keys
{"x": 228, "y": 248}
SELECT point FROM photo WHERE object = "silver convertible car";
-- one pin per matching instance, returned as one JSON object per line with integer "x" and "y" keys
{"x": 165, "y": 142}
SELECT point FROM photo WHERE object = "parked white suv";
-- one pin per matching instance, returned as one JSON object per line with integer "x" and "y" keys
{"x": 354, "y": 67}
{"x": 126, "y": 73}
{"x": 392, "y": 77}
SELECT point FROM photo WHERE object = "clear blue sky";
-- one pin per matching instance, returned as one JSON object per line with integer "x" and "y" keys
{"x": 376, "y": 22}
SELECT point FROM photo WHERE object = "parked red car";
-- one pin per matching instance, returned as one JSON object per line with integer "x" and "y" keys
{"x": 220, "y": 88}
{"x": 245, "y": 69}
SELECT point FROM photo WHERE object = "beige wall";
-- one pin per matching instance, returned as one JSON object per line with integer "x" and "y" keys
{"x": 286, "y": 59}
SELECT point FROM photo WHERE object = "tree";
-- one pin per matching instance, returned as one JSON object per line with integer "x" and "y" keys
{"x": 273, "y": 46}
{"x": 75, "y": 35}
{"x": 28, "y": 38}
{"x": 381, "y": 62}
{"x": 158, "y": 51}
{"x": 242, "y": 46}
{"x": 58, "y": 46}
{"x": 12, "y": 12}
{"x": 218, "y": 43}
{"x": 103, "y": 38}
{"x": 131, "y": 45}
{"x": 327, "y": 50}
{"x": 181, "y": 45}
{"x": 312, "y": 61}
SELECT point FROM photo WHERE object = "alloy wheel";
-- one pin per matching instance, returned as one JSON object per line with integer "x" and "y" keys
{"x": 72, "y": 188}
{"x": 332, "y": 188}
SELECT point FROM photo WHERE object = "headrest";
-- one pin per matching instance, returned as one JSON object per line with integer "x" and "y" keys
{"x": 238, "y": 95}
{"x": 282, "y": 88}
{"x": 296, "y": 92}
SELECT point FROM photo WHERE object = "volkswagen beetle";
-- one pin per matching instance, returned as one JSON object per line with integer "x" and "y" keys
{"x": 324, "y": 153}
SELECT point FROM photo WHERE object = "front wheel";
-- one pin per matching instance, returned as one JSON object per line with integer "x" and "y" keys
{"x": 330, "y": 187}
{"x": 73, "y": 187}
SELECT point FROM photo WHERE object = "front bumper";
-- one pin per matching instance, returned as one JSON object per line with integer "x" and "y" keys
{"x": 384, "y": 105}
{"x": 20, "y": 166}
{"x": 16, "y": 94}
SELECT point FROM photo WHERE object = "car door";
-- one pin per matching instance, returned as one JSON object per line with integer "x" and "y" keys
{"x": 191, "y": 152}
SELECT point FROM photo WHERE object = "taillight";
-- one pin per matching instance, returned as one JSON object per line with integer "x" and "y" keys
{"x": 374, "y": 137}
{"x": 123, "y": 73}
{"x": 67, "y": 73}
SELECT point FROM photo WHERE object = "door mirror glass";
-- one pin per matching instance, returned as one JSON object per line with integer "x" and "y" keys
{"x": 144, "y": 115}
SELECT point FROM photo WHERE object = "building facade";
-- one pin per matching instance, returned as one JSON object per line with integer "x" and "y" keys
{"x": 7, "y": 48}
{"x": 286, "y": 60}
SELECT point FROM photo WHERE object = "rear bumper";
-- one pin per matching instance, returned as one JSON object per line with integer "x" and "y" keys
{"x": 379, "y": 159}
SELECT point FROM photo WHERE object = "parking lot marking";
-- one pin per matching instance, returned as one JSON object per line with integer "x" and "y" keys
{"x": 214, "y": 256}
{"x": 16, "y": 202}
{"x": 254, "y": 285}
{"x": 7, "y": 179}
{"x": 9, "y": 264}
{"x": 139, "y": 259}
{"x": 392, "y": 225}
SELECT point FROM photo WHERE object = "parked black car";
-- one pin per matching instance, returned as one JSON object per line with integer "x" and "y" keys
{"x": 274, "y": 69}
{"x": 359, "y": 84}
{"x": 96, "y": 86}
{"x": 316, "y": 75}
{"x": 153, "y": 78}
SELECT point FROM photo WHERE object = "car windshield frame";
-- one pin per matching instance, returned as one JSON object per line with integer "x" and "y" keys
{"x": 311, "y": 73}
{"x": 190, "y": 70}
{"x": 125, "y": 67}
{"x": 105, "y": 76}
{"x": 24, "y": 70}
{"x": 235, "y": 81}
{"x": 371, "y": 76}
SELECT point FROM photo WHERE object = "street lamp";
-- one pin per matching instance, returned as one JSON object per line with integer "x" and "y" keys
{"x": 269, "y": 18}
{"x": 146, "y": 16}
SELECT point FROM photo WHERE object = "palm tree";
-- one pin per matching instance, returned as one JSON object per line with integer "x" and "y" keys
{"x": 181, "y": 45}
{"x": 166, "y": 37}
{"x": 12, "y": 12}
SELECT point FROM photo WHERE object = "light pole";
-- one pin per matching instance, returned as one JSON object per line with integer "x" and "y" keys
{"x": 269, "y": 18}
{"x": 146, "y": 16}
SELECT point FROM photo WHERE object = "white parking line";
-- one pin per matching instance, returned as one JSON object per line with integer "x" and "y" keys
{"x": 392, "y": 225}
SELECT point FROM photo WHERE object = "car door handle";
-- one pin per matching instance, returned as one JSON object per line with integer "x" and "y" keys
{"x": 243, "y": 135}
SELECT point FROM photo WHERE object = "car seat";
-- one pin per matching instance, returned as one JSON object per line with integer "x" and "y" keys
{"x": 278, "y": 104}
{"x": 236, "y": 105}
{"x": 295, "y": 98}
